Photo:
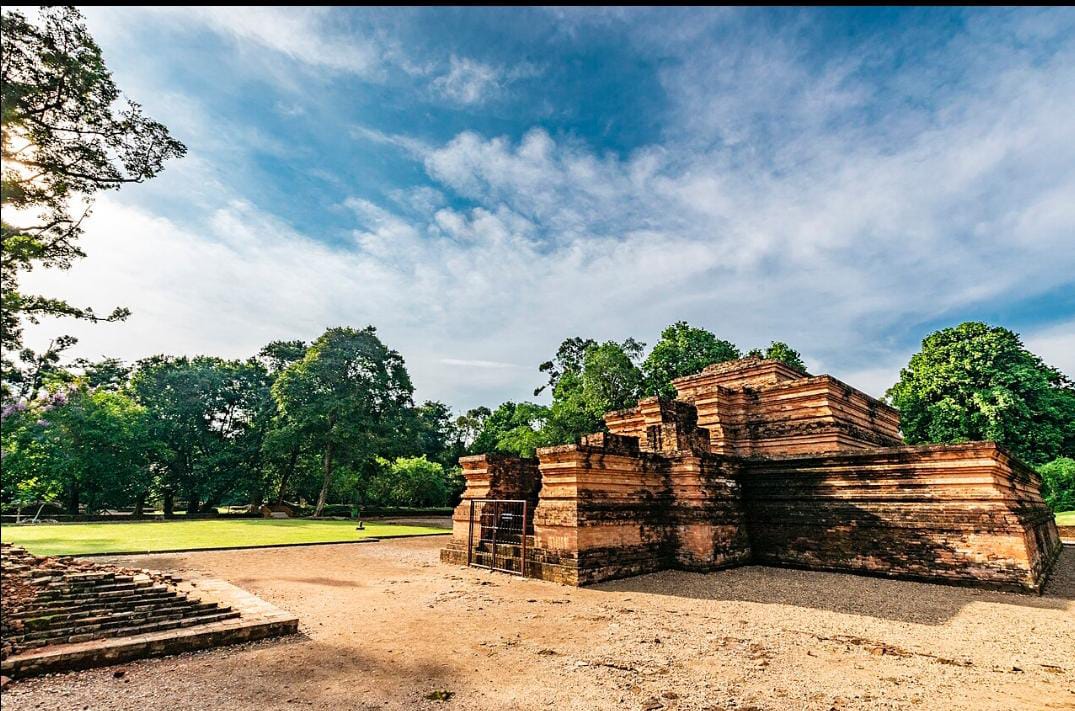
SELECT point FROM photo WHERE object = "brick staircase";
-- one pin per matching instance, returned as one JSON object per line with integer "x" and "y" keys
{"x": 66, "y": 604}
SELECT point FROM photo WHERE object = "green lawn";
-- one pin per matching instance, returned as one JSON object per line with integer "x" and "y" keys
{"x": 1065, "y": 518}
{"x": 79, "y": 538}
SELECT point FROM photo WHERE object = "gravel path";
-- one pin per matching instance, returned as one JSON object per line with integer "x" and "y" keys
{"x": 386, "y": 626}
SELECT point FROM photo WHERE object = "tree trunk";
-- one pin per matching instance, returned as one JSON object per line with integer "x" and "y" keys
{"x": 325, "y": 483}
{"x": 168, "y": 503}
{"x": 193, "y": 503}
{"x": 72, "y": 499}
{"x": 139, "y": 506}
{"x": 291, "y": 462}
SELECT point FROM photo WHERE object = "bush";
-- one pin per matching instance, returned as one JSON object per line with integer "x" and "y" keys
{"x": 410, "y": 481}
{"x": 1058, "y": 483}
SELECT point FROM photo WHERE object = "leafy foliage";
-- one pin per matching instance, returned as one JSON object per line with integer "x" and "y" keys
{"x": 682, "y": 350}
{"x": 209, "y": 419}
{"x": 512, "y": 428}
{"x": 778, "y": 350}
{"x": 66, "y": 134}
{"x": 411, "y": 481}
{"x": 347, "y": 398}
{"x": 568, "y": 359}
{"x": 87, "y": 446}
{"x": 1058, "y": 483}
{"x": 606, "y": 378}
{"x": 977, "y": 382}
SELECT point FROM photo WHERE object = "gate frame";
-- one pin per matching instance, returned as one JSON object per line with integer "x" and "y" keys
{"x": 496, "y": 517}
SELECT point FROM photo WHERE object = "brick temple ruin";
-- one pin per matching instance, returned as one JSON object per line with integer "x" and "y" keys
{"x": 757, "y": 463}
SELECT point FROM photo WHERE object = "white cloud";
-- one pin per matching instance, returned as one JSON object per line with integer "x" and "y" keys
{"x": 835, "y": 239}
{"x": 470, "y": 82}
{"x": 479, "y": 363}
{"x": 1055, "y": 344}
{"x": 310, "y": 35}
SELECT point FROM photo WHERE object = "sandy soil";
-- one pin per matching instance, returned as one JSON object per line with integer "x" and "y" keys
{"x": 386, "y": 626}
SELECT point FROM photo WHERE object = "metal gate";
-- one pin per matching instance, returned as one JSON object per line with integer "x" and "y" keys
{"x": 497, "y": 536}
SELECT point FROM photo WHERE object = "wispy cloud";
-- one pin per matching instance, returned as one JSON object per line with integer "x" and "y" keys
{"x": 471, "y": 82}
{"x": 813, "y": 199}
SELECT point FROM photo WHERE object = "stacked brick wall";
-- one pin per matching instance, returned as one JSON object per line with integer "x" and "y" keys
{"x": 766, "y": 408}
{"x": 950, "y": 513}
{"x": 602, "y": 511}
{"x": 758, "y": 462}
{"x": 490, "y": 476}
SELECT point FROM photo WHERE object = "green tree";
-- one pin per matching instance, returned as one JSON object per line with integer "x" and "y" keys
{"x": 682, "y": 350}
{"x": 282, "y": 445}
{"x": 66, "y": 133}
{"x": 977, "y": 382}
{"x": 90, "y": 446}
{"x": 778, "y": 350}
{"x": 568, "y": 359}
{"x": 512, "y": 428}
{"x": 208, "y": 417}
{"x": 410, "y": 481}
{"x": 1058, "y": 483}
{"x": 348, "y": 397}
{"x": 608, "y": 379}
{"x": 435, "y": 434}
{"x": 107, "y": 373}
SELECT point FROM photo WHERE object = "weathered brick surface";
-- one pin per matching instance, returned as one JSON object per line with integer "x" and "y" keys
{"x": 69, "y": 618}
{"x": 494, "y": 476}
{"x": 756, "y": 462}
{"x": 955, "y": 513}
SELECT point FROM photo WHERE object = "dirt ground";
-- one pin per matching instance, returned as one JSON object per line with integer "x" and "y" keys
{"x": 387, "y": 626}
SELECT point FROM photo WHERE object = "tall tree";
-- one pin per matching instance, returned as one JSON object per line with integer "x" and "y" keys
{"x": 682, "y": 350}
{"x": 282, "y": 446}
{"x": 66, "y": 133}
{"x": 1058, "y": 483}
{"x": 609, "y": 379}
{"x": 348, "y": 397}
{"x": 974, "y": 382}
{"x": 206, "y": 415}
{"x": 434, "y": 434}
{"x": 568, "y": 359}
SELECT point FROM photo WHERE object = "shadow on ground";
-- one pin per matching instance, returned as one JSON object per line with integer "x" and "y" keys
{"x": 902, "y": 601}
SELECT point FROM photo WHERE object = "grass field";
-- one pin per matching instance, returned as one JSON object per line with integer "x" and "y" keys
{"x": 1065, "y": 518}
{"x": 151, "y": 537}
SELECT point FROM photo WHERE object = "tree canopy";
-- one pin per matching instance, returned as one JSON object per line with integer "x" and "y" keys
{"x": 67, "y": 133}
{"x": 778, "y": 350}
{"x": 682, "y": 350}
{"x": 82, "y": 445}
{"x": 347, "y": 396}
{"x": 978, "y": 382}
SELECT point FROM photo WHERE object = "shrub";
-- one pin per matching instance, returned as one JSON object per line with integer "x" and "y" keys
{"x": 1058, "y": 483}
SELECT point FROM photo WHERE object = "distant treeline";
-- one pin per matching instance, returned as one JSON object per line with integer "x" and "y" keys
{"x": 330, "y": 421}
{"x": 335, "y": 421}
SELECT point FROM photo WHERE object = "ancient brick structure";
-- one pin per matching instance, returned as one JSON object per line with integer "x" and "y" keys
{"x": 60, "y": 614}
{"x": 755, "y": 462}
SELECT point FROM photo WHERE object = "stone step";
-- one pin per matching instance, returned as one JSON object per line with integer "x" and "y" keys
{"x": 102, "y": 625}
{"x": 83, "y": 600}
{"x": 128, "y": 631}
{"x": 106, "y": 619}
{"x": 69, "y": 593}
{"x": 67, "y": 607}
{"x": 67, "y": 596}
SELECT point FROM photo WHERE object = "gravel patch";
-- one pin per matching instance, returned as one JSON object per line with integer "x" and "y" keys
{"x": 387, "y": 626}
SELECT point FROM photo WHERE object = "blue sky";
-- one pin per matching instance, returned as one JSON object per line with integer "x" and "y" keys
{"x": 482, "y": 183}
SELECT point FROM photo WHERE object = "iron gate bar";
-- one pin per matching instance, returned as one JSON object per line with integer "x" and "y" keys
{"x": 509, "y": 518}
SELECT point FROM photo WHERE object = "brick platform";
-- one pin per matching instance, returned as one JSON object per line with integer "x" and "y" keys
{"x": 61, "y": 615}
{"x": 758, "y": 463}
